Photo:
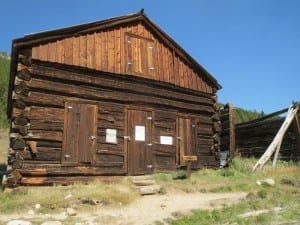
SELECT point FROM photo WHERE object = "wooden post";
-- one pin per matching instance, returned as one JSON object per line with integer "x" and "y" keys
{"x": 231, "y": 131}
{"x": 189, "y": 159}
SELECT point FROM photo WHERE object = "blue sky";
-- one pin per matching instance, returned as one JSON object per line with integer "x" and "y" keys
{"x": 252, "y": 47}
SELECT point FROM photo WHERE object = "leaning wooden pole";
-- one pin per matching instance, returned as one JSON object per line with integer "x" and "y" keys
{"x": 276, "y": 154}
{"x": 277, "y": 139}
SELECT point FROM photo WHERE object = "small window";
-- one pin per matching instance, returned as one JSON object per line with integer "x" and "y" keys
{"x": 166, "y": 140}
{"x": 139, "y": 55}
{"x": 111, "y": 136}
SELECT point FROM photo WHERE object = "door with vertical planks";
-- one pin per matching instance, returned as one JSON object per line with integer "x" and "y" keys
{"x": 139, "y": 143}
{"x": 80, "y": 132}
{"x": 186, "y": 138}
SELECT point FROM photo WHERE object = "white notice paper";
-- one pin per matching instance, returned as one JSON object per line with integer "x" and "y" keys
{"x": 111, "y": 136}
{"x": 166, "y": 140}
{"x": 140, "y": 133}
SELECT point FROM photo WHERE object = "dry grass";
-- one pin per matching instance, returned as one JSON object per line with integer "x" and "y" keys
{"x": 54, "y": 198}
{"x": 238, "y": 177}
{"x": 285, "y": 193}
{"x": 235, "y": 178}
{"x": 3, "y": 145}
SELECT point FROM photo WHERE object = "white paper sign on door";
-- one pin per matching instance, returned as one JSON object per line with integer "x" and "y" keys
{"x": 140, "y": 133}
{"x": 166, "y": 140}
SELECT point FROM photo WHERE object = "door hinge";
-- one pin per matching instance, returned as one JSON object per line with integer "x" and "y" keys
{"x": 93, "y": 137}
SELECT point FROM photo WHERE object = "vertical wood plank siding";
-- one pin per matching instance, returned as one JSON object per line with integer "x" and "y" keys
{"x": 105, "y": 51}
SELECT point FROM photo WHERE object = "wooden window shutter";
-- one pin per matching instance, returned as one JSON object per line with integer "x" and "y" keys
{"x": 150, "y": 58}
{"x": 143, "y": 54}
{"x": 139, "y": 56}
{"x": 128, "y": 54}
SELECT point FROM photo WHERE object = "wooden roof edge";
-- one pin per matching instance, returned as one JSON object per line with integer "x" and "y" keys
{"x": 41, "y": 37}
{"x": 74, "y": 30}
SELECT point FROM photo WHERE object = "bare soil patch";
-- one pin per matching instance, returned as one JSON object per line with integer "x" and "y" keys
{"x": 146, "y": 210}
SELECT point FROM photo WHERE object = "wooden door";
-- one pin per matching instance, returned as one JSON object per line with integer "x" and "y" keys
{"x": 139, "y": 142}
{"x": 186, "y": 138}
{"x": 80, "y": 132}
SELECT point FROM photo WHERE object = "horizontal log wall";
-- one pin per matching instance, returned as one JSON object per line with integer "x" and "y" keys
{"x": 105, "y": 51}
{"x": 164, "y": 125}
{"x": 38, "y": 118}
{"x": 111, "y": 156}
{"x": 253, "y": 138}
{"x": 208, "y": 146}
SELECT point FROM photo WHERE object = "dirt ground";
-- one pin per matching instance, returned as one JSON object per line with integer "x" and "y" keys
{"x": 161, "y": 208}
{"x": 152, "y": 209}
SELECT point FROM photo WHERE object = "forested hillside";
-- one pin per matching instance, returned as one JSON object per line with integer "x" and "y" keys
{"x": 242, "y": 115}
{"x": 4, "y": 73}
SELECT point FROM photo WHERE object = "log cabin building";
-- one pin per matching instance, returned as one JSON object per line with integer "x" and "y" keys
{"x": 114, "y": 97}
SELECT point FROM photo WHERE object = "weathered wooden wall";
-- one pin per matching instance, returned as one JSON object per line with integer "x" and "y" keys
{"x": 39, "y": 97}
{"x": 107, "y": 50}
{"x": 164, "y": 124}
{"x": 254, "y": 137}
